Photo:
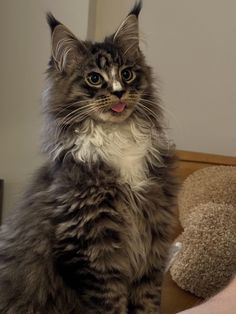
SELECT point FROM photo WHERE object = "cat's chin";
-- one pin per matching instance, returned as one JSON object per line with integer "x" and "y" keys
{"x": 115, "y": 117}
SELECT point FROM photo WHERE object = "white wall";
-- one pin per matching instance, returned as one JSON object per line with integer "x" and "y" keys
{"x": 192, "y": 47}
{"x": 24, "y": 54}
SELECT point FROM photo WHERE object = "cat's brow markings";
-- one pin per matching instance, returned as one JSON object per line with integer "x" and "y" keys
{"x": 103, "y": 61}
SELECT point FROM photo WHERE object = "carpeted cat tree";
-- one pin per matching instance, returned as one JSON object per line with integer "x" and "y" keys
{"x": 207, "y": 210}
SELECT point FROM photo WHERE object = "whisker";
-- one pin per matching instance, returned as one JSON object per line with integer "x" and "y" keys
{"x": 79, "y": 114}
{"x": 142, "y": 111}
{"x": 164, "y": 109}
{"x": 151, "y": 112}
{"x": 64, "y": 108}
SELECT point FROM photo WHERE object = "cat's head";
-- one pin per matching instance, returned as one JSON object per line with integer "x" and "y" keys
{"x": 105, "y": 81}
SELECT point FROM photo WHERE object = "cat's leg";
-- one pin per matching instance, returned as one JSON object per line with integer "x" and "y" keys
{"x": 90, "y": 259}
{"x": 106, "y": 298}
{"x": 99, "y": 292}
{"x": 145, "y": 294}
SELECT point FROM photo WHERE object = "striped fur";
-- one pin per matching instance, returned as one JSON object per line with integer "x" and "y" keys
{"x": 92, "y": 233}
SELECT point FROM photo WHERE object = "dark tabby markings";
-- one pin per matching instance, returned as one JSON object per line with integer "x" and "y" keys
{"x": 133, "y": 309}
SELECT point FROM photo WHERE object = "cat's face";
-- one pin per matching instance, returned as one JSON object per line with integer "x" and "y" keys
{"x": 111, "y": 84}
{"x": 102, "y": 81}
{"x": 108, "y": 84}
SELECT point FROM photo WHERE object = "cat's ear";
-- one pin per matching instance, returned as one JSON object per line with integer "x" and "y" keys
{"x": 127, "y": 34}
{"x": 67, "y": 50}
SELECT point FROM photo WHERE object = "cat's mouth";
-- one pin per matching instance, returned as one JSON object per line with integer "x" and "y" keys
{"x": 119, "y": 107}
{"x": 116, "y": 112}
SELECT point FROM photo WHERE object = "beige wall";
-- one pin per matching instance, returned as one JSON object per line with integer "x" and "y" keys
{"x": 25, "y": 49}
{"x": 192, "y": 47}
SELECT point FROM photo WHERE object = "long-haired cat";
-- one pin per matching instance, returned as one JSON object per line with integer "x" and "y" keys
{"x": 92, "y": 232}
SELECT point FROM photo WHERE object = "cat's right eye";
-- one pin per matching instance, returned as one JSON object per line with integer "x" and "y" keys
{"x": 94, "y": 79}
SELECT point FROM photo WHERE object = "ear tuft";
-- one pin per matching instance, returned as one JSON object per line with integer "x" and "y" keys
{"x": 52, "y": 22}
{"x": 67, "y": 50}
{"x": 127, "y": 34}
{"x": 136, "y": 9}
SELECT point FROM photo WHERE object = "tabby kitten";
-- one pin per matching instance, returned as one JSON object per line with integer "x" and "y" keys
{"x": 92, "y": 232}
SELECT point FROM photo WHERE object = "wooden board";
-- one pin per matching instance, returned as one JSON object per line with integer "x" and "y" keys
{"x": 192, "y": 161}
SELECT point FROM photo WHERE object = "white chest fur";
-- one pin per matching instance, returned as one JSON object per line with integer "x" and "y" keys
{"x": 122, "y": 146}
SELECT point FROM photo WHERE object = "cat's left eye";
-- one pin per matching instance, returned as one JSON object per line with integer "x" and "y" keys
{"x": 94, "y": 79}
{"x": 127, "y": 75}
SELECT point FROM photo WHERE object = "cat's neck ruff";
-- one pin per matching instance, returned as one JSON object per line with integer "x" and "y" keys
{"x": 123, "y": 146}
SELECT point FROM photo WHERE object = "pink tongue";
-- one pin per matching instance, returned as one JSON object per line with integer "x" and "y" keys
{"x": 119, "y": 107}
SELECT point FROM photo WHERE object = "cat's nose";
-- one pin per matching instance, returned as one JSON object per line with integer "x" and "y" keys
{"x": 119, "y": 93}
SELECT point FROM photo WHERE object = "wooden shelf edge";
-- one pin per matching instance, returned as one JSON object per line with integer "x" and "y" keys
{"x": 211, "y": 159}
